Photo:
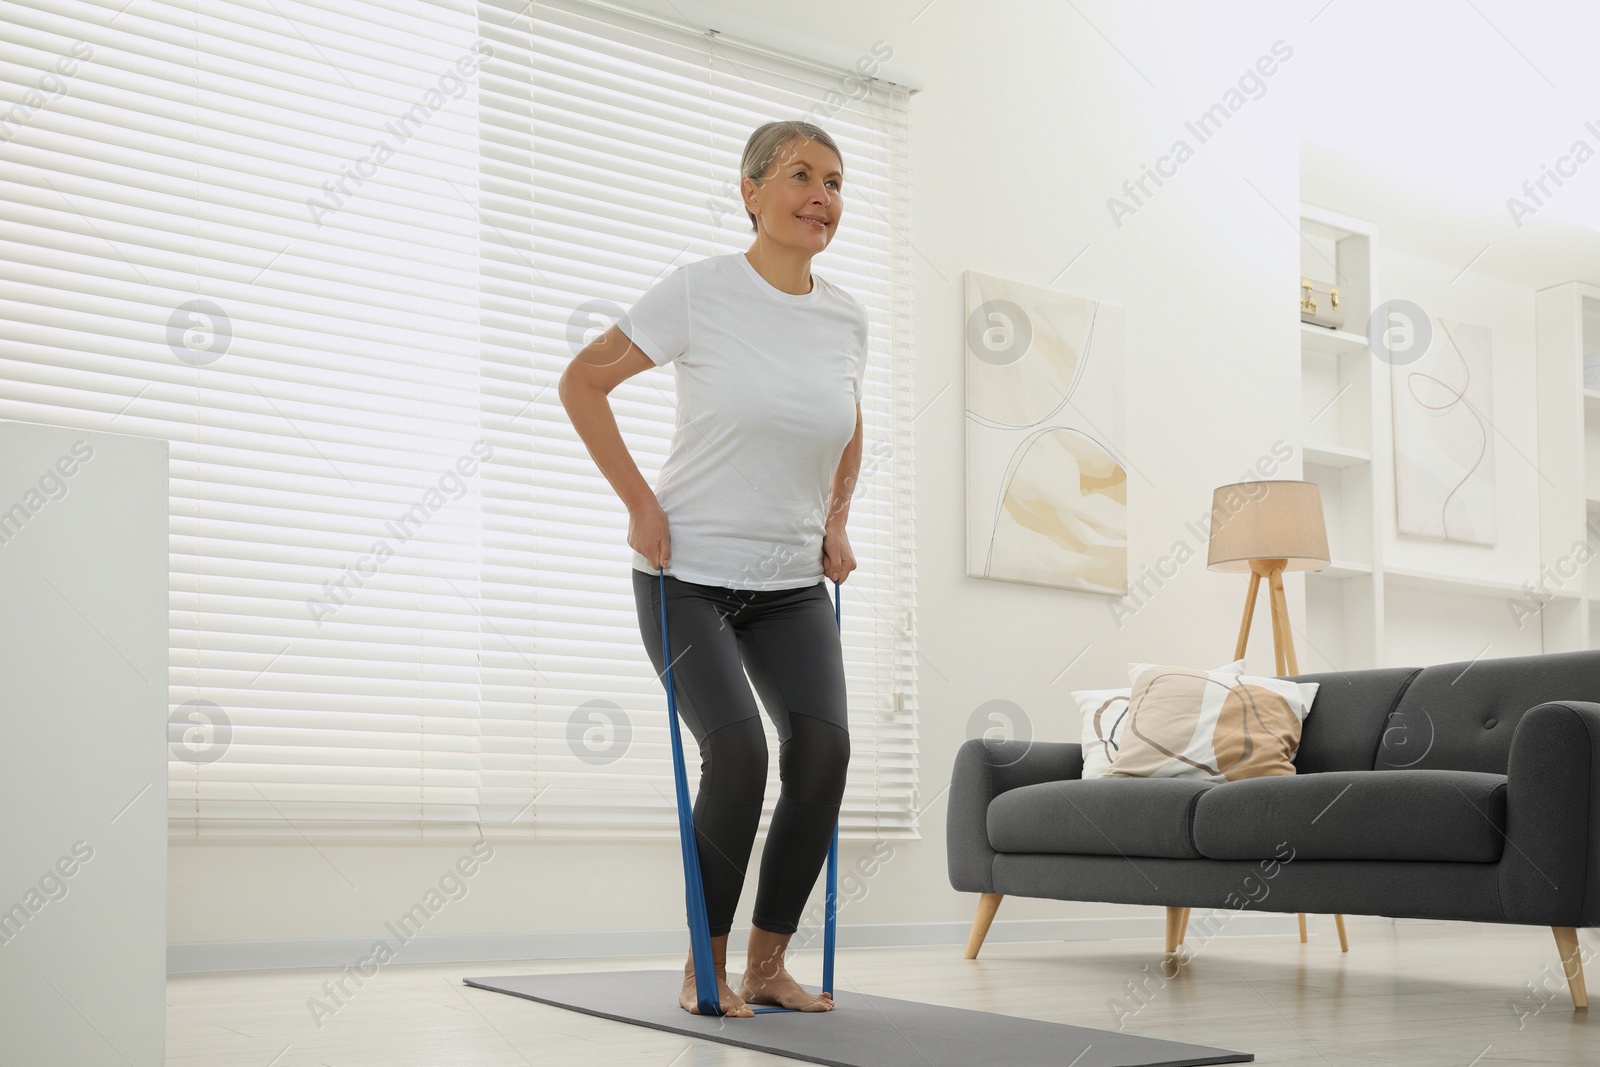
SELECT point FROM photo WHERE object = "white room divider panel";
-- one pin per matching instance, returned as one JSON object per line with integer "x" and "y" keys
{"x": 83, "y": 747}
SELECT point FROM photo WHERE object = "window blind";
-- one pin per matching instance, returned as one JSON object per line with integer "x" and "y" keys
{"x": 206, "y": 243}
{"x": 611, "y": 147}
{"x": 297, "y": 239}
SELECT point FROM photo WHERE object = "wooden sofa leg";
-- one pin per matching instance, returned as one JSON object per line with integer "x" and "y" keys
{"x": 1183, "y": 926}
{"x": 1174, "y": 929}
{"x": 988, "y": 904}
{"x": 1571, "y": 964}
{"x": 1302, "y": 927}
{"x": 1344, "y": 941}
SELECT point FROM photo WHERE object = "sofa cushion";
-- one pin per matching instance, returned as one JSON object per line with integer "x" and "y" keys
{"x": 1099, "y": 817}
{"x": 1462, "y": 716}
{"x": 1343, "y": 730}
{"x": 1410, "y": 815}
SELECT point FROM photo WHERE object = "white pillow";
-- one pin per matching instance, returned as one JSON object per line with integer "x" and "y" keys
{"x": 1105, "y": 711}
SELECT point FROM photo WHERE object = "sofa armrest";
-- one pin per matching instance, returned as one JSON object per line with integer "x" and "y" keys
{"x": 983, "y": 770}
{"x": 1550, "y": 869}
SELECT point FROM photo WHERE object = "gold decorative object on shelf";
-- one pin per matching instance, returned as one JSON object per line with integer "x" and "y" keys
{"x": 1319, "y": 304}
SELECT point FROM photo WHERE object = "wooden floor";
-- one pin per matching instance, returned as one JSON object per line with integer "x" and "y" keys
{"x": 1420, "y": 994}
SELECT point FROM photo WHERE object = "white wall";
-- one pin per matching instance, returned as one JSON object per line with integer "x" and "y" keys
{"x": 1031, "y": 118}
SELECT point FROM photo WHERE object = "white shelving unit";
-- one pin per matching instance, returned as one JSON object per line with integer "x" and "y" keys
{"x": 1568, "y": 324}
{"x": 1440, "y": 581}
{"x": 1344, "y": 601}
{"x": 1356, "y": 604}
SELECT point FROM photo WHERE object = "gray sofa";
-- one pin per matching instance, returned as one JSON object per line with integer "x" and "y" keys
{"x": 1459, "y": 791}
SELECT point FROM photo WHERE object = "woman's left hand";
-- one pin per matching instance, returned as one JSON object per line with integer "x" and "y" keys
{"x": 837, "y": 559}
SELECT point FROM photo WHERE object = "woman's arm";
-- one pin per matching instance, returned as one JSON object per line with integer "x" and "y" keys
{"x": 837, "y": 559}
{"x": 844, "y": 480}
{"x": 585, "y": 385}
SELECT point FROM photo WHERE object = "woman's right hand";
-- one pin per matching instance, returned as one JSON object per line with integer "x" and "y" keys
{"x": 647, "y": 533}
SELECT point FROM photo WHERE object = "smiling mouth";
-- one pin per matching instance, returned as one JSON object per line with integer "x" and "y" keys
{"x": 819, "y": 224}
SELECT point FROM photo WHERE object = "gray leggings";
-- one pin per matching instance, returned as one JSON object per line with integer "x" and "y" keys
{"x": 786, "y": 640}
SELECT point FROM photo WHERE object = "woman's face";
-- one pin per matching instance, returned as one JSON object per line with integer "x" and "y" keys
{"x": 801, "y": 199}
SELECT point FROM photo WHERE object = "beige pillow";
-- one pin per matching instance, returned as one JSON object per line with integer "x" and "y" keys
{"x": 1103, "y": 714}
{"x": 1210, "y": 725}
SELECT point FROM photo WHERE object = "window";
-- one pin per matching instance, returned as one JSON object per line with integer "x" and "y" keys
{"x": 338, "y": 254}
{"x": 610, "y": 156}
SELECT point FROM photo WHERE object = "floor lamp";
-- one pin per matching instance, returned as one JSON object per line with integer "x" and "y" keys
{"x": 1267, "y": 528}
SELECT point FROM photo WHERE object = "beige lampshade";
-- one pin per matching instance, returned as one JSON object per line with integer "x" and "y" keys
{"x": 1267, "y": 520}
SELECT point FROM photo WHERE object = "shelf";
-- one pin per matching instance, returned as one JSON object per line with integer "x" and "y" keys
{"x": 1591, "y": 403}
{"x": 1335, "y": 431}
{"x": 1333, "y": 456}
{"x": 1471, "y": 585}
{"x": 1341, "y": 569}
{"x": 1315, "y": 338}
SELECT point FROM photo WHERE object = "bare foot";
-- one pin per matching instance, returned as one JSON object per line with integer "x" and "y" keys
{"x": 767, "y": 981}
{"x": 732, "y": 1004}
{"x": 782, "y": 990}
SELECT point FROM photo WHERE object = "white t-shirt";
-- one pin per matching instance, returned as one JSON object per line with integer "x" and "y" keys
{"x": 768, "y": 384}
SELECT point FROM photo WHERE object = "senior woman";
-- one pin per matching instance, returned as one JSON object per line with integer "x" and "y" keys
{"x": 748, "y": 522}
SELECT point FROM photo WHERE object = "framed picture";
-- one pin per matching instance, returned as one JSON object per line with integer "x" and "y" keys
{"x": 1444, "y": 437}
{"x": 1047, "y": 486}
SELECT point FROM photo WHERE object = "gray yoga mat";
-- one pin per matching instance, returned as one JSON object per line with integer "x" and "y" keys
{"x": 861, "y": 1030}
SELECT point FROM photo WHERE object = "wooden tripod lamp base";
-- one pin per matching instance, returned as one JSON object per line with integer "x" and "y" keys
{"x": 1282, "y": 636}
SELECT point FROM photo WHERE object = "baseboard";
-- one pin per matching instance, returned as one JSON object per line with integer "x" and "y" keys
{"x": 340, "y": 952}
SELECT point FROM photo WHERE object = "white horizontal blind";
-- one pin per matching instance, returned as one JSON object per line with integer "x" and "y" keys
{"x": 254, "y": 230}
{"x": 315, "y": 398}
{"x": 611, "y": 147}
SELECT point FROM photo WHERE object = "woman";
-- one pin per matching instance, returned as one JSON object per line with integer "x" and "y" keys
{"x": 769, "y": 360}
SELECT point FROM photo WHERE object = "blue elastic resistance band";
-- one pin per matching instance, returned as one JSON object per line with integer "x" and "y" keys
{"x": 705, "y": 974}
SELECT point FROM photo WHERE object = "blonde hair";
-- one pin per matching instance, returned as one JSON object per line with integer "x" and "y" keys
{"x": 762, "y": 148}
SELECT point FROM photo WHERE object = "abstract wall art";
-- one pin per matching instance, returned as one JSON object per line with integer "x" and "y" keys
{"x": 1047, "y": 500}
{"x": 1444, "y": 437}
